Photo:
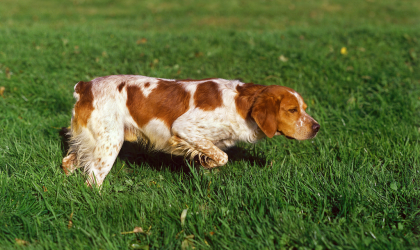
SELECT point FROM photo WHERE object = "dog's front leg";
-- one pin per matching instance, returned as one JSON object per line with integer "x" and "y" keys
{"x": 208, "y": 154}
{"x": 213, "y": 156}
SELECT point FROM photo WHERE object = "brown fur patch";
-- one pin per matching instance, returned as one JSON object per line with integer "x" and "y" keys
{"x": 147, "y": 84}
{"x": 265, "y": 112}
{"x": 166, "y": 102}
{"x": 208, "y": 96}
{"x": 121, "y": 86}
{"x": 246, "y": 97}
{"x": 84, "y": 107}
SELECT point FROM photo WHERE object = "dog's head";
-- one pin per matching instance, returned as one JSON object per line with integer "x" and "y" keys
{"x": 281, "y": 111}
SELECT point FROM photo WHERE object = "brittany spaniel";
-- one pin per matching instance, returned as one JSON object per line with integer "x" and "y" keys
{"x": 181, "y": 117}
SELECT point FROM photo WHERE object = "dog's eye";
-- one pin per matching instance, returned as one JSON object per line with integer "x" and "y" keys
{"x": 292, "y": 110}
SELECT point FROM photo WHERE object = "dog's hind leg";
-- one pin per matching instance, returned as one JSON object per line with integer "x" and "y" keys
{"x": 70, "y": 160}
{"x": 94, "y": 147}
{"x": 76, "y": 140}
{"x": 109, "y": 140}
{"x": 69, "y": 163}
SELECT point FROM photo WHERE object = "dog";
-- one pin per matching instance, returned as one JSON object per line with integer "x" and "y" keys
{"x": 191, "y": 118}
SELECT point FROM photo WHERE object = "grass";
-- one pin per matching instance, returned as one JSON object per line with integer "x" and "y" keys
{"x": 356, "y": 185}
{"x": 164, "y": 15}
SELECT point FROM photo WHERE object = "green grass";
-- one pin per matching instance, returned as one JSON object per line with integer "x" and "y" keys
{"x": 356, "y": 185}
{"x": 186, "y": 15}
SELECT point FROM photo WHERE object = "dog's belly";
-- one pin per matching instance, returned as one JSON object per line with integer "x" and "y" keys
{"x": 155, "y": 134}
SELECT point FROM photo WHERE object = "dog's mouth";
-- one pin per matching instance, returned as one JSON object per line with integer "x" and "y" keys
{"x": 281, "y": 133}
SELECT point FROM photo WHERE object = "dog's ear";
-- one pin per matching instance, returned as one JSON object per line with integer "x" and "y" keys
{"x": 265, "y": 111}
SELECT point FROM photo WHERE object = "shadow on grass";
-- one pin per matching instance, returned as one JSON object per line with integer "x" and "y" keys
{"x": 135, "y": 153}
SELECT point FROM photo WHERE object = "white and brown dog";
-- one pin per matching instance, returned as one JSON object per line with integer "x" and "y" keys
{"x": 180, "y": 117}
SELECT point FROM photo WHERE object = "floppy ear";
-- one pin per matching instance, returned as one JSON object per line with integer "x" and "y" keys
{"x": 265, "y": 111}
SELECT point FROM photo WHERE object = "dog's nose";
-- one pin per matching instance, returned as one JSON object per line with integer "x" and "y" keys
{"x": 315, "y": 127}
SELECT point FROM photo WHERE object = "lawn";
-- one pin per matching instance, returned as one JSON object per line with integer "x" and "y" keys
{"x": 355, "y": 186}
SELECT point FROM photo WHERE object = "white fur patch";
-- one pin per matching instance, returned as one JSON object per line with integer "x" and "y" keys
{"x": 158, "y": 133}
{"x": 299, "y": 99}
{"x": 191, "y": 88}
{"x": 147, "y": 88}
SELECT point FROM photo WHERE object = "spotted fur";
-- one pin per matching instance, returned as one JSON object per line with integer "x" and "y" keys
{"x": 192, "y": 118}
